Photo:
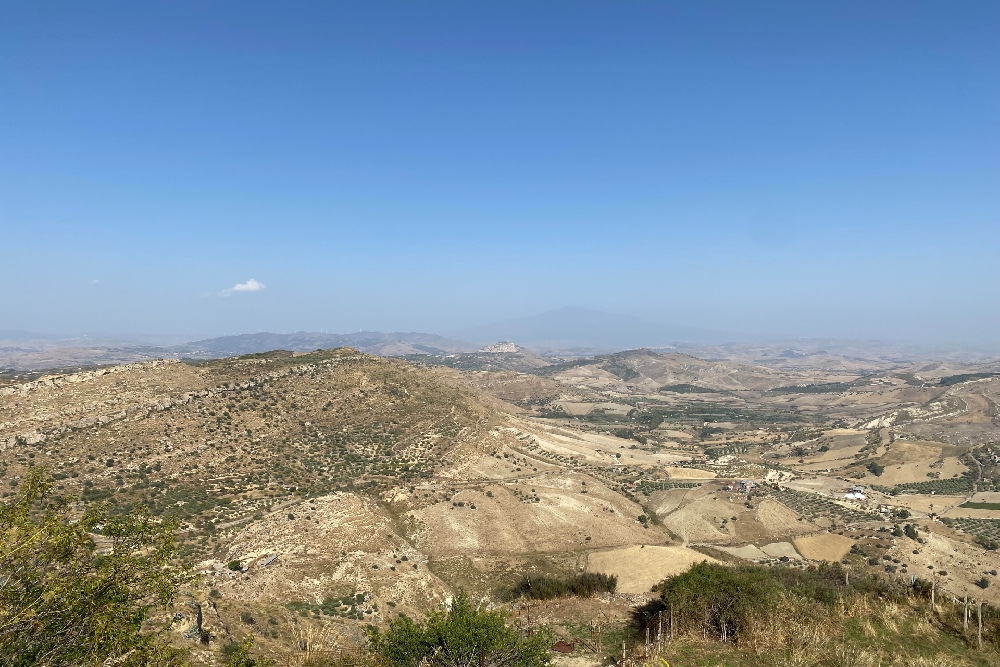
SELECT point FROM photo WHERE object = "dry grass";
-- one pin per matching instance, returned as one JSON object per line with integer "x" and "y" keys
{"x": 825, "y": 546}
{"x": 639, "y": 568}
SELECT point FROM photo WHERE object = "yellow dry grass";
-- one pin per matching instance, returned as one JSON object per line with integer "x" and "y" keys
{"x": 825, "y": 546}
{"x": 969, "y": 513}
{"x": 639, "y": 568}
{"x": 915, "y": 462}
{"x": 927, "y": 504}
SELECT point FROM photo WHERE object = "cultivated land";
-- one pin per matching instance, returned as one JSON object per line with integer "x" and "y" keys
{"x": 318, "y": 492}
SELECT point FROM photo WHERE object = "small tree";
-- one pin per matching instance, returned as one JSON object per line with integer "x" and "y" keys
{"x": 463, "y": 635}
{"x": 64, "y": 602}
{"x": 720, "y": 600}
{"x": 876, "y": 468}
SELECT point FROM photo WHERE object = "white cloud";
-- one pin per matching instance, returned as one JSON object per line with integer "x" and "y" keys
{"x": 249, "y": 286}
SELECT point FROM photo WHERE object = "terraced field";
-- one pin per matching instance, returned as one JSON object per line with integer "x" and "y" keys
{"x": 952, "y": 486}
{"x": 985, "y": 529}
{"x": 813, "y": 506}
{"x": 647, "y": 487}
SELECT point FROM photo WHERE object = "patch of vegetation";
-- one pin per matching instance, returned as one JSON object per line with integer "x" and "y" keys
{"x": 647, "y": 487}
{"x": 688, "y": 389}
{"x": 752, "y": 615}
{"x": 546, "y": 587}
{"x": 464, "y": 634}
{"x": 986, "y": 531}
{"x": 950, "y": 380}
{"x": 619, "y": 368}
{"x": 951, "y": 486}
{"x": 981, "y": 506}
{"x": 814, "y": 506}
{"x": 355, "y": 606}
{"x": 735, "y": 448}
{"x": 697, "y": 413}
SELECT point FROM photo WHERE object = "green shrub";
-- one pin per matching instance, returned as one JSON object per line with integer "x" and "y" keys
{"x": 720, "y": 600}
{"x": 462, "y": 635}
{"x": 543, "y": 587}
{"x": 733, "y": 602}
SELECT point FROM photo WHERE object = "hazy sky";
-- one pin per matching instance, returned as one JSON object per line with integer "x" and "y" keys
{"x": 800, "y": 168}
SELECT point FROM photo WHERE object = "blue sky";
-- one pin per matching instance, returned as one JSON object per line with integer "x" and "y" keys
{"x": 799, "y": 168}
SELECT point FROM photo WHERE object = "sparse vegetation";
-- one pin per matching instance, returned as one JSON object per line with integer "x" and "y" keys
{"x": 279, "y": 451}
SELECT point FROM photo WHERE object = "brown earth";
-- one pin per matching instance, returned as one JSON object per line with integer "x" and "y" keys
{"x": 823, "y": 546}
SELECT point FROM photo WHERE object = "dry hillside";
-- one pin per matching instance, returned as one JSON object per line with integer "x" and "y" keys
{"x": 321, "y": 491}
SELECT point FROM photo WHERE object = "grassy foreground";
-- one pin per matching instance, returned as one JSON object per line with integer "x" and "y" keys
{"x": 750, "y": 615}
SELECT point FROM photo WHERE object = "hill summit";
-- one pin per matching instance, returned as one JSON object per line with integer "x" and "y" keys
{"x": 503, "y": 347}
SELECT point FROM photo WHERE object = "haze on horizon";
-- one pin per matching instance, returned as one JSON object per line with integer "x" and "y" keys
{"x": 819, "y": 169}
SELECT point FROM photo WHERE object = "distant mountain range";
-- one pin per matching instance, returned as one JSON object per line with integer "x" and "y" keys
{"x": 394, "y": 344}
{"x": 536, "y": 341}
{"x": 562, "y": 332}
{"x": 25, "y": 354}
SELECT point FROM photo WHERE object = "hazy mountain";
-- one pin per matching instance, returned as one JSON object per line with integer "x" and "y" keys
{"x": 375, "y": 342}
{"x": 585, "y": 331}
{"x": 37, "y": 354}
{"x": 18, "y": 335}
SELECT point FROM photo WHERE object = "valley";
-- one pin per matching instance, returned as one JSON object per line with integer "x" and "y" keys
{"x": 318, "y": 492}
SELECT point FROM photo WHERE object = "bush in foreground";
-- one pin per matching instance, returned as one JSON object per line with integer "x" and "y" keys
{"x": 752, "y": 615}
{"x": 464, "y": 634}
